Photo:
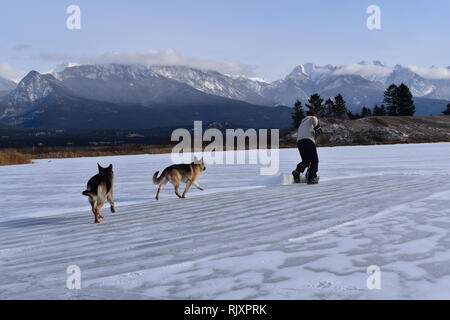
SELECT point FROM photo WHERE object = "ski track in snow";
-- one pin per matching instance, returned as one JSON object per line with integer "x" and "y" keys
{"x": 246, "y": 236}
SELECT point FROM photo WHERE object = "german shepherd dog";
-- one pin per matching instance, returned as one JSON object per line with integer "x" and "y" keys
{"x": 99, "y": 189}
{"x": 178, "y": 173}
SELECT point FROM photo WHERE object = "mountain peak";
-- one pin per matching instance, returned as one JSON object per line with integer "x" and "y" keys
{"x": 309, "y": 68}
{"x": 34, "y": 86}
{"x": 377, "y": 63}
{"x": 300, "y": 72}
{"x": 33, "y": 74}
{"x": 404, "y": 73}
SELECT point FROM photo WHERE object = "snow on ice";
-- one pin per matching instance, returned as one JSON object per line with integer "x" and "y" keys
{"x": 245, "y": 236}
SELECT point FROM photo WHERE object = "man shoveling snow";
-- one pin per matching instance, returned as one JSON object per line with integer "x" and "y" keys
{"x": 308, "y": 131}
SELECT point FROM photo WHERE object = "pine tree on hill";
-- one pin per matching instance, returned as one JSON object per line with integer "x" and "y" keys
{"x": 376, "y": 110}
{"x": 391, "y": 100}
{"x": 352, "y": 116}
{"x": 298, "y": 114}
{"x": 315, "y": 103}
{"x": 349, "y": 115}
{"x": 447, "y": 111}
{"x": 340, "y": 107}
{"x": 379, "y": 111}
{"x": 366, "y": 112}
{"x": 405, "y": 101}
{"x": 329, "y": 108}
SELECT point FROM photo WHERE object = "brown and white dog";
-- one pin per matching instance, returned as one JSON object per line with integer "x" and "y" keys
{"x": 100, "y": 189}
{"x": 177, "y": 173}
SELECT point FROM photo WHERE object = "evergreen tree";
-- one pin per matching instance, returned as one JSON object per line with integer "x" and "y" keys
{"x": 447, "y": 111}
{"x": 340, "y": 107}
{"x": 353, "y": 116}
{"x": 329, "y": 108}
{"x": 298, "y": 114}
{"x": 349, "y": 115}
{"x": 363, "y": 112}
{"x": 315, "y": 103}
{"x": 379, "y": 110}
{"x": 376, "y": 110}
{"x": 366, "y": 112}
{"x": 391, "y": 100}
{"x": 405, "y": 101}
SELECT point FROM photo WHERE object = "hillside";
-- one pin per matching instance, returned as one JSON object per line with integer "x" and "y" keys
{"x": 380, "y": 130}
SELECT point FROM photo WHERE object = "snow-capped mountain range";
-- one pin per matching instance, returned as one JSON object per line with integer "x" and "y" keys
{"x": 149, "y": 83}
{"x": 126, "y": 96}
{"x": 361, "y": 84}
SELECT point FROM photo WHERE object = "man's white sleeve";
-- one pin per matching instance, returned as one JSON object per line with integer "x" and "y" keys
{"x": 315, "y": 122}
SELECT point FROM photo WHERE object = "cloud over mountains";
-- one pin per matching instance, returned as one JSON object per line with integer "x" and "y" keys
{"x": 9, "y": 72}
{"x": 168, "y": 57}
{"x": 373, "y": 70}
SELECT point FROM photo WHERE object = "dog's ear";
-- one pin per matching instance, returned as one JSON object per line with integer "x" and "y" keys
{"x": 99, "y": 167}
{"x": 110, "y": 167}
{"x": 198, "y": 161}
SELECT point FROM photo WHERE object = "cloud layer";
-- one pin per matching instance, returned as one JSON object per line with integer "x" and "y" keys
{"x": 153, "y": 57}
{"x": 372, "y": 71}
{"x": 21, "y": 47}
{"x": 432, "y": 73}
{"x": 375, "y": 70}
{"x": 8, "y": 72}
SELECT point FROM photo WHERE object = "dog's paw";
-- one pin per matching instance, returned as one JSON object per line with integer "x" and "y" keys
{"x": 113, "y": 210}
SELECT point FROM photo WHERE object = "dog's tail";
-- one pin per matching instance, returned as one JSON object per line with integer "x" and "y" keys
{"x": 88, "y": 193}
{"x": 157, "y": 180}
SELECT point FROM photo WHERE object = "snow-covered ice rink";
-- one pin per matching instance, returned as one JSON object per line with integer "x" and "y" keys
{"x": 245, "y": 236}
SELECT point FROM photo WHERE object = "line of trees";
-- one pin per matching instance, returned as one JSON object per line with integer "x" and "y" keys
{"x": 398, "y": 101}
{"x": 377, "y": 111}
{"x": 447, "y": 111}
{"x": 331, "y": 108}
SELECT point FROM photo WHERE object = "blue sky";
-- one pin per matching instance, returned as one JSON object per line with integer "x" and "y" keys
{"x": 265, "y": 38}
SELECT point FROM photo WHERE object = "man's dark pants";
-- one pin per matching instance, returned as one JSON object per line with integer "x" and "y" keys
{"x": 308, "y": 152}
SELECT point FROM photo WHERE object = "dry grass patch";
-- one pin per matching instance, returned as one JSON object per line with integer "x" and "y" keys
{"x": 82, "y": 152}
{"x": 10, "y": 157}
